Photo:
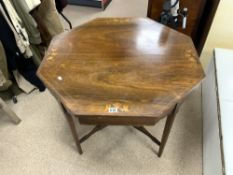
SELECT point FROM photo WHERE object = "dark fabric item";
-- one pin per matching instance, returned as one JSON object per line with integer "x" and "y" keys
{"x": 15, "y": 59}
{"x": 6, "y": 35}
{"x": 28, "y": 70}
{"x": 60, "y": 5}
{"x": 37, "y": 55}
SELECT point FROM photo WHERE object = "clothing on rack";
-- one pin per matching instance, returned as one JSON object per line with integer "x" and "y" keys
{"x": 31, "y": 28}
{"x": 38, "y": 53}
{"x": 27, "y": 27}
{"x": 15, "y": 24}
{"x": 2, "y": 79}
{"x": 5, "y": 83}
{"x": 48, "y": 21}
{"x": 28, "y": 21}
{"x": 31, "y": 4}
{"x": 16, "y": 61}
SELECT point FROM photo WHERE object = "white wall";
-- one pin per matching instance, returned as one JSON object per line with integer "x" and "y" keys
{"x": 221, "y": 32}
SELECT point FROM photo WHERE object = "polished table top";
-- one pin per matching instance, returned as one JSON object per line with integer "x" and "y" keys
{"x": 121, "y": 66}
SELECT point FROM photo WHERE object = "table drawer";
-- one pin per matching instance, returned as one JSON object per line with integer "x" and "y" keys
{"x": 115, "y": 120}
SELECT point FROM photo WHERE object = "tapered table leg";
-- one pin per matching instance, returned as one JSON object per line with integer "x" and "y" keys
{"x": 73, "y": 130}
{"x": 167, "y": 129}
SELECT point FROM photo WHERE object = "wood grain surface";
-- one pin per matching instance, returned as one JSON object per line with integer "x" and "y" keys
{"x": 123, "y": 67}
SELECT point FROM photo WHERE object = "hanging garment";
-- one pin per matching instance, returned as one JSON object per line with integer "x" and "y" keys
{"x": 38, "y": 53}
{"x": 29, "y": 22}
{"x": 31, "y": 4}
{"x": 47, "y": 18}
{"x": 5, "y": 83}
{"x": 2, "y": 79}
{"x": 15, "y": 59}
{"x": 31, "y": 28}
{"x": 15, "y": 24}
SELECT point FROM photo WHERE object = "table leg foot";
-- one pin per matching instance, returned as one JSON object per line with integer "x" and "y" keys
{"x": 167, "y": 129}
{"x": 73, "y": 130}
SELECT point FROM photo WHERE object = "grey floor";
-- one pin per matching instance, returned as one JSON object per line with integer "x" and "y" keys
{"x": 42, "y": 144}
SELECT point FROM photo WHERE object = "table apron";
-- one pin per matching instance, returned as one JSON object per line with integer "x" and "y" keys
{"x": 116, "y": 120}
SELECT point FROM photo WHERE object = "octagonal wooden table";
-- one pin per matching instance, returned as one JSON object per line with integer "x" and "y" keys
{"x": 121, "y": 71}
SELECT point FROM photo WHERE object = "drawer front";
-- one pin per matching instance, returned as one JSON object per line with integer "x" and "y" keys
{"x": 115, "y": 120}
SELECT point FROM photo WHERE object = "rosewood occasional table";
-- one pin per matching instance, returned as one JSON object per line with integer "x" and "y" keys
{"x": 121, "y": 71}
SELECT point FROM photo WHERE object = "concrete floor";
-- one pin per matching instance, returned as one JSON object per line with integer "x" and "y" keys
{"x": 42, "y": 144}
